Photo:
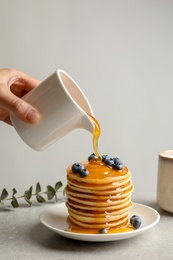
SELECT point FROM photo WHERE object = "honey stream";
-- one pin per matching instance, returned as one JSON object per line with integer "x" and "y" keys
{"x": 96, "y": 135}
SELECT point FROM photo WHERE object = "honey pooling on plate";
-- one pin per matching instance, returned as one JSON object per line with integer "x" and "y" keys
{"x": 98, "y": 193}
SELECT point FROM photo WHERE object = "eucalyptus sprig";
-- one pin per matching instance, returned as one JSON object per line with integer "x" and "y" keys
{"x": 51, "y": 193}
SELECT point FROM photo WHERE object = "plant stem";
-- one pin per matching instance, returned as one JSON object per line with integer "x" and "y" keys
{"x": 33, "y": 194}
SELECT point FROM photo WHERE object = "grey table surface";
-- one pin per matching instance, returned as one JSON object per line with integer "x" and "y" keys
{"x": 23, "y": 236}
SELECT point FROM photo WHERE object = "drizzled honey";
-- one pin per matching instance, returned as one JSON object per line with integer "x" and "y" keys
{"x": 96, "y": 135}
{"x": 76, "y": 229}
{"x": 101, "y": 200}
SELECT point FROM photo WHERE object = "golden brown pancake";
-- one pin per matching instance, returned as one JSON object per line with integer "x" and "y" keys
{"x": 100, "y": 200}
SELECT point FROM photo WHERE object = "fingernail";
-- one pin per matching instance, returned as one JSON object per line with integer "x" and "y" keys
{"x": 33, "y": 116}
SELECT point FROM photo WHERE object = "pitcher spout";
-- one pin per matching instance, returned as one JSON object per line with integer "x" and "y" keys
{"x": 87, "y": 123}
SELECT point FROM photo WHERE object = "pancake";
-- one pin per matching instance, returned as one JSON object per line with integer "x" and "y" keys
{"x": 99, "y": 200}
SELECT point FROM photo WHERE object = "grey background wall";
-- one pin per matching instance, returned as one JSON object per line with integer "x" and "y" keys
{"x": 121, "y": 55}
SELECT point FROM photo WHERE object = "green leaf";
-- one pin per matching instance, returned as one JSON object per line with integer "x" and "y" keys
{"x": 14, "y": 202}
{"x": 38, "y": 188}
{"x": 14, "y": 191}
{"x": 58, "y": 185}
{"x": 50, "y": 192}
{"x": 28, "y": 200}
{"x": 40, "y": 198}
{"x": 28, "y": 193}
{"x": 4, "y": 194}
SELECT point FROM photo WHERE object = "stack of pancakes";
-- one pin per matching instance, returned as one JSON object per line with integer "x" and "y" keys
{"x": 100, "y": 200}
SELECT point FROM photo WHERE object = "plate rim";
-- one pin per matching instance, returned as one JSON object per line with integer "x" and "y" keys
{"x": 97, "y": 237}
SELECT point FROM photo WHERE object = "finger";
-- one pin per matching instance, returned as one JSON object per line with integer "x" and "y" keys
{"x": 19, "y": 107}
{"x": 24, "y": 83}
{"x": 21, "y": 86}
{"x": 18, "y": 78}
{"x": 14, "y": 75}
{"x": 4, "y": 116}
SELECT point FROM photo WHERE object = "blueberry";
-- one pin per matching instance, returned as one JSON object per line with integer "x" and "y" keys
{"x": 92, "y": 156}
{"x": 117, "y": 160}
{"x": 118, "y": 164}
{"x": 103, "y": 231}
{"x": 83, "y": 172}
{"x": 104, "y": 157}
{"x": 135, "y": 221}
{"x": 108, "y": 160}
{"x": 77, "y": 167}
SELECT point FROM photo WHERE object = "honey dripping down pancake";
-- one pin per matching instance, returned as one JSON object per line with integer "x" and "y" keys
{"x": 99, "y": 194}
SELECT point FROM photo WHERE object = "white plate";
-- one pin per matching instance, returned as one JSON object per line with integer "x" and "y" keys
{"x": 55, "y": 217}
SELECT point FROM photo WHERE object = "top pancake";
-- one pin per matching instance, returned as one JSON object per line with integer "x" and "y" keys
{"x": 100, "y": 174}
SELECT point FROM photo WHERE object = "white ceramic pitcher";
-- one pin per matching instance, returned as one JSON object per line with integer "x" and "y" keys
{"x": 63, "y": 107}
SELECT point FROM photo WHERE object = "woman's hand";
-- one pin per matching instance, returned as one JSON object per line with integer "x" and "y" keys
{"x": 15, "y": 84}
